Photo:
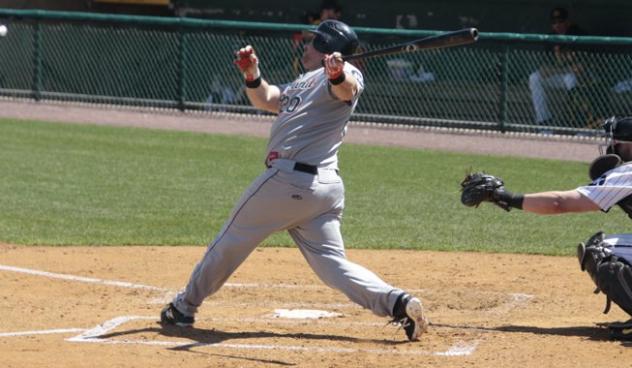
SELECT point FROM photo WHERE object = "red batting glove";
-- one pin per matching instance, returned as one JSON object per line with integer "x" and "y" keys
{"x": 248, "y": 63}
{"x": 334, "y": 65}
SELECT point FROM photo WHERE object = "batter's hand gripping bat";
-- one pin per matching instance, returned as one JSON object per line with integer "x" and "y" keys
{"x": 461, "y": 37}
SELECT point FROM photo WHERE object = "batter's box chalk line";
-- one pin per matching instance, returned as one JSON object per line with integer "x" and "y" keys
{"x": 94, "y": 336}
{"x": 125, "y": 284}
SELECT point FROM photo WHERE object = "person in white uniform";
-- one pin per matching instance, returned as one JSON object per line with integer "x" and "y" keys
{"x": 606, "y": 258}
{"x": 300, "y": 190}
{"x": 563, "y": 73}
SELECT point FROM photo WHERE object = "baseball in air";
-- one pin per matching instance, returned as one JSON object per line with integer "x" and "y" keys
{"x": 3, "y": 30}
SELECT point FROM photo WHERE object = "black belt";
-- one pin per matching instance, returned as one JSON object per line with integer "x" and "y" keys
{"x": 299, "y": 166}
{"x": 310, "y": 169}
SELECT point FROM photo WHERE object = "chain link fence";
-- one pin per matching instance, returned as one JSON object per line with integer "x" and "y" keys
{"x": 506, "y": 82}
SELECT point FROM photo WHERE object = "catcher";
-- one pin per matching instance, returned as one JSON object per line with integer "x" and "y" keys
{"x": 607, "y": 259}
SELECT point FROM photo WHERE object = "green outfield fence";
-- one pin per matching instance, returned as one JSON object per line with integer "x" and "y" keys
{"x": 186, "y": 64}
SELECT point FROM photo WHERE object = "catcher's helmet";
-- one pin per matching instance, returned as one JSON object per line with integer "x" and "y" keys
{"x": 618, "y": 130}
{"x": 334, "y": 35}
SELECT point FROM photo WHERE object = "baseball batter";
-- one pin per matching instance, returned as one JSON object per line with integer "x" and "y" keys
{"x": 301, "y": 190}
{"x": 607, "y": 259}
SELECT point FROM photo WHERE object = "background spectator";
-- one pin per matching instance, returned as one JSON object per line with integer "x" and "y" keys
{"x": 562, "y": 73}
{"x": 330, "y": 9}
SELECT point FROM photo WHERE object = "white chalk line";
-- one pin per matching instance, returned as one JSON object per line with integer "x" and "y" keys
{"x": 90, "y": 280}
{"x": 41, "y": 332}
{"x": 125, "y": 284}
{"x": 518, "y": 299}
{"x": 94, "y": 336}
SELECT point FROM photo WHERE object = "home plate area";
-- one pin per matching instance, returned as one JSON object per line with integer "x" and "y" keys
{"x": 276, "y": 332}
{"x": 239, "y": 321}
{"x": 291, "y": 319}
{"x": 230, "y": 322}
{"x": 349, "y": 329}
{"x": 99, "y": 306}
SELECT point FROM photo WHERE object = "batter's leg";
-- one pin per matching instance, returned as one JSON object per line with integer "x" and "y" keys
{"x": 251, "y": 221}
{"x": 322, "y": 246}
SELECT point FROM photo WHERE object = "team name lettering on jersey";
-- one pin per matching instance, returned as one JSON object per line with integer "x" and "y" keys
{"x": 301, "y": 84}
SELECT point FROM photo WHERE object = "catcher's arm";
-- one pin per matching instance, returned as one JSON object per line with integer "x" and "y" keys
{"x": 553, "y": 203}
{"x": 261, "y": 94}
{"x": 480, "y": 187}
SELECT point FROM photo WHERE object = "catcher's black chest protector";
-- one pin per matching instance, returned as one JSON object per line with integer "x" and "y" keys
{"x": 626, "y": 205}
{"x": 610, "y": 268}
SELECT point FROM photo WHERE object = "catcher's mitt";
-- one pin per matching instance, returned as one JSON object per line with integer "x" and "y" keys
{"x": 479, "y": 187}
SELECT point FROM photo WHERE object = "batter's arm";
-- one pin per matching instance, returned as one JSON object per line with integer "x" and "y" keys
{"x": 265, "y": 97}
{"x": 262, "y": 95}
{"x": 347, "y": 89}
{"x": 343, "y": 85}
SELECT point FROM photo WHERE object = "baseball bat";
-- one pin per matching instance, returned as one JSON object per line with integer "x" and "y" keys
{"x": 461, "y": 37}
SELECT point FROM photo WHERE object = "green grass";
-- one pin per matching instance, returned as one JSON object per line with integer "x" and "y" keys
{"x": 74, "y": 184}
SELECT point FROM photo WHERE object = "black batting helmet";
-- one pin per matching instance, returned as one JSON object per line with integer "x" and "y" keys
{"x": 334, "y": 35}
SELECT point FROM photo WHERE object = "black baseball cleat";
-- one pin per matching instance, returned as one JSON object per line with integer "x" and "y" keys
{"x": 172, "y": 316}
{"x": 409, "y": 313}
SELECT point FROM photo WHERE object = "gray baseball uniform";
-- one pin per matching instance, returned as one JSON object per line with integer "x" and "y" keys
{"x": 305, "y": 137}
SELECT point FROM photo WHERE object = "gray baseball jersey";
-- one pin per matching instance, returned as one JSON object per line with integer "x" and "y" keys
{"x": 309, "y": 130}
{"x": 310, "y": 125}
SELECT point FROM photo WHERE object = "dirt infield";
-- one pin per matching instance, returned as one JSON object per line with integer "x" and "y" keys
{"x": 98, "y": 307}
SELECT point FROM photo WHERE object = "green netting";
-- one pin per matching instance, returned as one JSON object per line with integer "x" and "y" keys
{"x": 188, "y": 64}
{"x": 17, "y": 67}
{"x": 101, "y": 61}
